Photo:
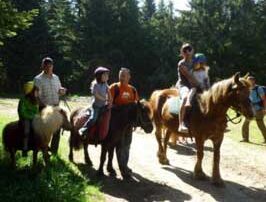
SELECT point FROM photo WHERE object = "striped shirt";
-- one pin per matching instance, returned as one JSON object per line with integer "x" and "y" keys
{"x": 48, "y": 88}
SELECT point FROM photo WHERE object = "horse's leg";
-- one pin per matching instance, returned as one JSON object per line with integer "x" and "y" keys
{"x": 13, "y": 158}
{"x": 35, "y": 154}
{"x": 158, "y": 134}
{"x": 198, "y": 172}
{"x": 102, "y": 160}
{"x": 70, "y": 156}
{"x": 110, "y": 168}
{"x": 45, "y": 156}
{"x": 173, "y": 139}
{"x": 166, "y": 139}
{"x": 216, "y": 177}
{"x": 86, "y": 154}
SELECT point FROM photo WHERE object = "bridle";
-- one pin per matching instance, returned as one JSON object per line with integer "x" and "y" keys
{"x": 237, "y": 116}
{"x": 139, "y": 118}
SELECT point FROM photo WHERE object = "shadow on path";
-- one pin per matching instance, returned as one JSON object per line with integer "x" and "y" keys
{"x": 136, "y": 189}
{"x": 232, "y": 192}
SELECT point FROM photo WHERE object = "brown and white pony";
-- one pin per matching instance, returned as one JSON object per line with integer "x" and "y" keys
{"x": 44, "y": 126}
{"x": 206, "y": 120}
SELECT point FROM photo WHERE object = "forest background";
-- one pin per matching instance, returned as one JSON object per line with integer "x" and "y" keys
{"x": 83, "y": 34}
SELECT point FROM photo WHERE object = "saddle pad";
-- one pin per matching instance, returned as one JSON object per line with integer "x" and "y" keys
{"x": 174, "y": 105}
{"x": 103, "y": 125}
{"x": 100, "y": 130}
{"x": 81, "y": 119}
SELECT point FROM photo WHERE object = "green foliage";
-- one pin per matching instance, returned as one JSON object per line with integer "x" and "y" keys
{"x": 148, "y": 9}
{"x": 12, "y": 20}
{"x": 82, "y": 34}
{"x": 226, "y": 32}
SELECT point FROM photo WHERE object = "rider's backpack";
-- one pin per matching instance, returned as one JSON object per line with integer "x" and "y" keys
{"x": 264, "y": 97}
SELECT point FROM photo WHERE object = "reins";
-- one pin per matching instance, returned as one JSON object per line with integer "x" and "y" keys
{"x": 232, "y": 120}
{"x": 63, "y": 98}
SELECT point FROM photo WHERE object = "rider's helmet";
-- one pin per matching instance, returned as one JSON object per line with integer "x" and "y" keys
{"x": 100, "y": 70}
{"x": 199, "y": 58}
{"x": 28, "y": 87}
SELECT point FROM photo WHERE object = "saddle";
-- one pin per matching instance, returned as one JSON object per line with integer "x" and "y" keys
{"x": 174, "y": 105}
{"x": 98, "y": 132}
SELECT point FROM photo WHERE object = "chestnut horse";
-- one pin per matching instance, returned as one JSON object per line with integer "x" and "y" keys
{"x": 50, "y": 120}
{"x": 122, "y": 118}
{"x": 206, "y": 119}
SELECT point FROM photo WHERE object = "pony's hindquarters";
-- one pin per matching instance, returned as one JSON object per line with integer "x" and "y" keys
{"x": 75, "y": 121}
{"x": 11, "y": 136}
{"x": 157, "y": 101}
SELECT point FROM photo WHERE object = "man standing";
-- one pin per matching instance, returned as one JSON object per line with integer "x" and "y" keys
{"x": 259, "y": 105}
{"x": 123, "y": 93}
{"x": 49, "y": 89}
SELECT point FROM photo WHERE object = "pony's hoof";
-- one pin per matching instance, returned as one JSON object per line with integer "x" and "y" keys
{"x": 126, "y": 176}
{"x": 164, "y": 161}
{"x": 89, "y": 163}
{"x": 218, "y": 183}
{"x": 70, "y": 158}
{"x": 200, "y": 176}
{"x": 100, "y": 173}
{"x": 172, "y": 144}
{"x": 112, "y": 173}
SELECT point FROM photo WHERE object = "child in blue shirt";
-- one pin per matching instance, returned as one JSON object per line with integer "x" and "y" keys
{"x": 101, "y": 98}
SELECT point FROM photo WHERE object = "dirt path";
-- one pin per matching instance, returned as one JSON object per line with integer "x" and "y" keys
{"x": 243, "y": 167}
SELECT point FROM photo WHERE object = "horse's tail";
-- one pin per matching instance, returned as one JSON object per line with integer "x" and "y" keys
{"x": 158, "y": 99}
{"x": 75, "y": 139}
{"x": 161, "y": 100}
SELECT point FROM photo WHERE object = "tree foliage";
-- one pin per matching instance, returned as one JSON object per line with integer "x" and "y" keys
{"x": 13, "y": 20}
{"x": 83, "y": 34}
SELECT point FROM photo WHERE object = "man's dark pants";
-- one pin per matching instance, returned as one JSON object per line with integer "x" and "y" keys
{"x": 122, "y": 151}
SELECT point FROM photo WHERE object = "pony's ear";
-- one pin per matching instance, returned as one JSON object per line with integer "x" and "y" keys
{"x": 235, "y": 81}
{"x": 236, "y": 77}
{"x": 246, "y": 76}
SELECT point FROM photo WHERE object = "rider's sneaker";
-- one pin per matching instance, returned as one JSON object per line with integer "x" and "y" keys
{"x": 182, "y": 128}
{"x": 82, "y": 132}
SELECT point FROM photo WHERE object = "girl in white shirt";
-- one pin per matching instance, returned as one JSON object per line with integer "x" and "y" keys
{"x": 200, "y": 72}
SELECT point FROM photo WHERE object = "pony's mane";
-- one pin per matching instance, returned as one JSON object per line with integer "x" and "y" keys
{"x": 217, "y": 93}
{"x": 48, "y": 122}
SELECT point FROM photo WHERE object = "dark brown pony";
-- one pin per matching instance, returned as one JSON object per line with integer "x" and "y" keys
{"x": 206, "y": 120}
{"x": 44, "y": 125}
{"x": 122, "y": 117}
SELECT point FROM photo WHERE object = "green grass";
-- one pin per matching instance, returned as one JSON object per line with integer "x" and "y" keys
{"x": 61, "y": 181}
{"x": 235, "y": 132}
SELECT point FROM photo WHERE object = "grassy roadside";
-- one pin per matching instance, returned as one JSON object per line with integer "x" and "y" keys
{"x": 62, "y": 181}
{"x": 235, "y": 132}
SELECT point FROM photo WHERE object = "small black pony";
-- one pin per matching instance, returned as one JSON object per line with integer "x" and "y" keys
{"x": 122, "y": 117}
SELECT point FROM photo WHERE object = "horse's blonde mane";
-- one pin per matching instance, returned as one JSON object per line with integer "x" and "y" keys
{"x": 47, "y": 123}
{"x": 218, "y": 92}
